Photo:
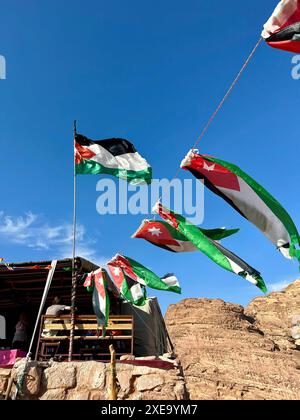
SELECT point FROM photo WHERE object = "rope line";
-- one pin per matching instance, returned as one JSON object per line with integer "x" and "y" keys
{"x": 215, "y": 113}
{"x": 217, "y": 110}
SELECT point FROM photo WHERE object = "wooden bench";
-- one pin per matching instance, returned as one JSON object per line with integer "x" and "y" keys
{"x": 55, "y": 335}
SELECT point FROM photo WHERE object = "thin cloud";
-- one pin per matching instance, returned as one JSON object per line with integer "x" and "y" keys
{"x": 280, "y": 286}
{"x": 30, "y": 231}
{"x": 16, "y": 226}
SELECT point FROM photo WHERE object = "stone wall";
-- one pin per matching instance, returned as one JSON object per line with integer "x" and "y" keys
{"x": 89, "y": 381}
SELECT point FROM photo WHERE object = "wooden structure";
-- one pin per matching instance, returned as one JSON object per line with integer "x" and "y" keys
{"x": 21, "y": 291}
{"x": 88, "y": 339}
{"x": 22, "y": 284}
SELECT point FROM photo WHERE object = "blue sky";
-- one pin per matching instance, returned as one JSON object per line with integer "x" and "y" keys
{"x": 151, "y": 72}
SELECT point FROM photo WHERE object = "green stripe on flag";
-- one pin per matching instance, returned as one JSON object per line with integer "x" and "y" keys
{"x": 212, "y": 250}
{"x": 90, "y": 167}
{"x": 126, "y": 293}
{"x": 214, "y": 234}
{"x": 193, "y": 234}
{"x": 151, "y": 279}
{"x": 268, "y": 199}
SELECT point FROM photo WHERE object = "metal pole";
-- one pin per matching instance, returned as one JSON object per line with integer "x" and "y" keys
{"x": 42, "y": 305}
{"x": 74, "y": 271}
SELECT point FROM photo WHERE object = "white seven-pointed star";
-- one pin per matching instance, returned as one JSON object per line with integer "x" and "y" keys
{"x": 209, "y": 168}
{"x": 155, "y": 231}
{"x": 117, "y": 271}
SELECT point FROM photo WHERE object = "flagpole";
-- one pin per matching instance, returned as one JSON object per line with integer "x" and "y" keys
{"x": 74, "y": 271}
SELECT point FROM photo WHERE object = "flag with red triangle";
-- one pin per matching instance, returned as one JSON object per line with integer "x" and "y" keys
{"x": 130, "y": 290}
{"x": 101, "y": 302}
{"x": 163, "y": 235}
{"x": 143, "y": 276}
{"x": 212, "y": 249}
{"x": 248, "y": 198}
{"x": 282, "y": 30}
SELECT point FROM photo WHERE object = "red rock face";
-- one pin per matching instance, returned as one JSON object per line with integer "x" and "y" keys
{"x": 227, "y": 352}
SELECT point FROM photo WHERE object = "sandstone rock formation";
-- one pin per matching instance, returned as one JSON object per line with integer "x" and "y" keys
{"x": 227, "y": 352}
{"x": 275, "y": 314}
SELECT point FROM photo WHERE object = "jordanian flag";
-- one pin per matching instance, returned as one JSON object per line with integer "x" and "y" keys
{"x": 116, "y": 157}
{"x": 89, "y": 282}
{"x": 144, "y": 276}
{"x": 212, "y": 249}
{"x": 129, "y": 289}
{"x": 163, "y": 235}
{"x": 282, "y": 30}
{"x": 249, "y": 198}
{"x": 101, "y": 303}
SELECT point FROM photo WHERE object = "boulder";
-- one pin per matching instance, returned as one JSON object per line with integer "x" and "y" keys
{"x": 91, "y": 376}
{"x": 149, "y": 382}
{"x": 60, "y": 375}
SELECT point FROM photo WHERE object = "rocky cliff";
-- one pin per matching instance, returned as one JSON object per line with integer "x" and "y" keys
{"x": 228, "y": 352}
{"x": 276, "y": 315}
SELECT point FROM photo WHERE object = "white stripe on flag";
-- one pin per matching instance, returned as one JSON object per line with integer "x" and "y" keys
{"x": 183, "y": 246}
{"x": 171, "y": 281}
{"x": 129, "y": 161}
{"x": 237, "y": 270}
{"x": 259, "y": 214}
{"x": 284, "y": 10}
{"x": 136, "y": 291}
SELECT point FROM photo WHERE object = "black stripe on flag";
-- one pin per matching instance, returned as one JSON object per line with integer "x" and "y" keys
{"x": 233, "y": 257}
{"x": 291, "y": 33}
{"x": 96, "y": 306}
{"x": 115, "y": 146}
{"x": 215, "y": 190}
{"x": 131, "y": 282}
